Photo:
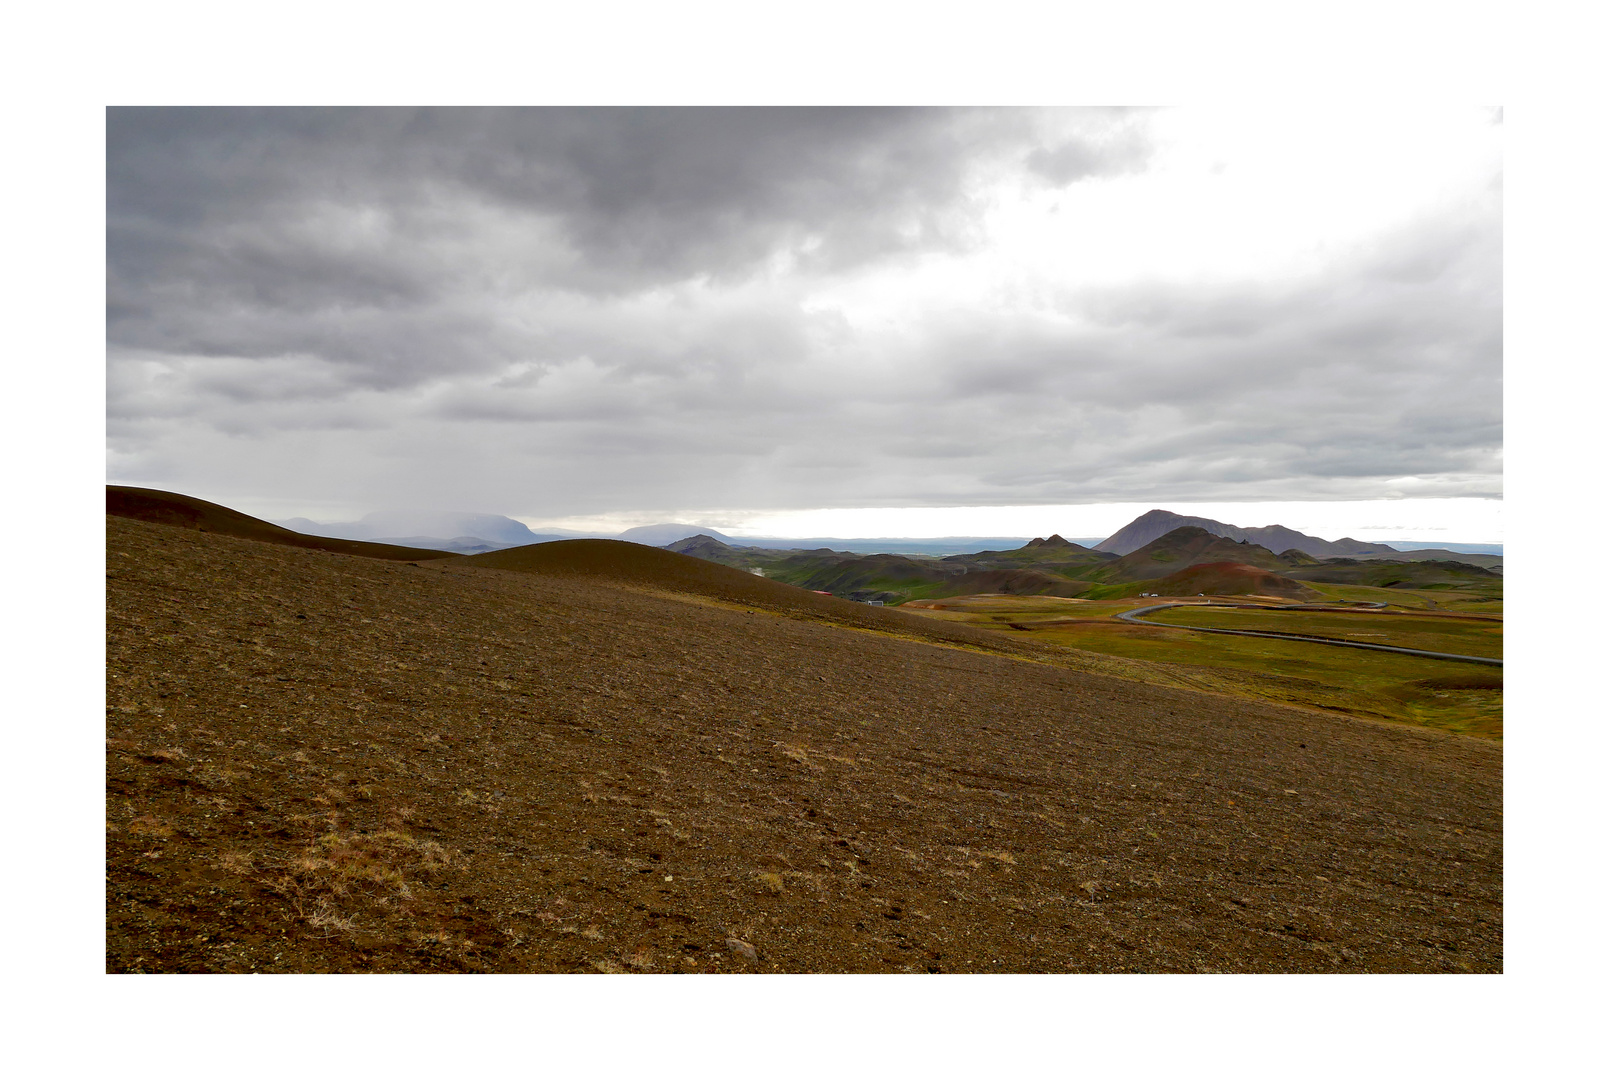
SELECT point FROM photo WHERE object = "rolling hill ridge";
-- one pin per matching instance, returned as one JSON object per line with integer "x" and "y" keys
{"x": 186, "y": 512}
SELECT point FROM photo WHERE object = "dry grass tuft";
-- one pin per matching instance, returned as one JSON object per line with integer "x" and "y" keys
{"x": 970, "y": 857}
{"x": 400, "y": 817}
{"x": 324, "y": 917}
{"x": 349, "y": 867}
{"x": 145, "y": 825}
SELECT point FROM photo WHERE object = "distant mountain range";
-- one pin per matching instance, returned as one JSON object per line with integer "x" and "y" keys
{"x": 465, "y": 533}
{"x": 472, "y": 533}
{"x": 1184, "y": 560}
{"x": 475, "y": 533}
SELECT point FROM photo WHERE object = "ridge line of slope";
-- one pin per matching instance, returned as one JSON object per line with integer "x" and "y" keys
{"x": 173, "y": 510}
{"x": 1006, "y": 648}
{"x": 621, "y": 563}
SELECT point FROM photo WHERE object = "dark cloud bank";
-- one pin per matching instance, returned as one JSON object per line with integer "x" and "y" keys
{"x": 560, "y": 312}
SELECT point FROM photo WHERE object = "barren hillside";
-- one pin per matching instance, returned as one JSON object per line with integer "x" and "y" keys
{"x": 324, "y": 762}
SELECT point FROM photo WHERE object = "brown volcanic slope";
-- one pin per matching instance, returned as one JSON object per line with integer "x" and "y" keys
{"x": 328, "y": 763}
{"x": 1232, "y": 579}
{"x": 168, "y": 508}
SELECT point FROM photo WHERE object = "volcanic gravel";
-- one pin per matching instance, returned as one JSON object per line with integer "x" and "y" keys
{"x": 321, "y": 762}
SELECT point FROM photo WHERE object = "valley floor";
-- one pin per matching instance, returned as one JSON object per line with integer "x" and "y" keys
{"x": 321, "y": 762}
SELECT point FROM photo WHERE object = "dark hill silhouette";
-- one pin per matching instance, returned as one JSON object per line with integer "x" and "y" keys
{"x": 170, "y": 508}
{"x": 1054, "y": 541}
{"x": 1154, "y": 524}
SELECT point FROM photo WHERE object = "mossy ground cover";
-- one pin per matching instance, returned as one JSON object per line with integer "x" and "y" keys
{"x": 1448, "y": 695}
{"x": 1461, "y": 634}
{"x": 1485, "y": 600}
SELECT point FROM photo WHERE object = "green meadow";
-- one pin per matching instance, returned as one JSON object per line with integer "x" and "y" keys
{"x": 1467, "y": 635}
{"x": 1448, "y": 695}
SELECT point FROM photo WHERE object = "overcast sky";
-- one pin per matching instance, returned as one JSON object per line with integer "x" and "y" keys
{"x": 751, "y": 318}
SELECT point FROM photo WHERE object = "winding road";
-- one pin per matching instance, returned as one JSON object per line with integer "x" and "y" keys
{"x": 1133, "y": 617}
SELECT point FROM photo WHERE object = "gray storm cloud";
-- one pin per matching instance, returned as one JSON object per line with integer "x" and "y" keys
{"x": 571, "y": 311}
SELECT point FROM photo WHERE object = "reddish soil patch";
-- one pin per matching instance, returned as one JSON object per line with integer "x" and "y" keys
{"x": 320, "y": 762}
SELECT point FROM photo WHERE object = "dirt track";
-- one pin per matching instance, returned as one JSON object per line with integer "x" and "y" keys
{"x": 321, "y": 762}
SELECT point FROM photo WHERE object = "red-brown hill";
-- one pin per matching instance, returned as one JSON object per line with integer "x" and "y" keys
{"x": 170, "y": 508}
{"x": 1181, "y": 548}
{"x": 1231, "y": 579}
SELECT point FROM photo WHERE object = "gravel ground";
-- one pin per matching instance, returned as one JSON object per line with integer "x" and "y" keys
{"x": 321, "y": 762}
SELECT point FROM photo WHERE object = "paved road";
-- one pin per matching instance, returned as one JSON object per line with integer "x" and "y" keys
{"x": 1133, "y": 617}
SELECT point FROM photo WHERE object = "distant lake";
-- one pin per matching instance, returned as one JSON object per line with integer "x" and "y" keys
{"x": 1467, "y": 549}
